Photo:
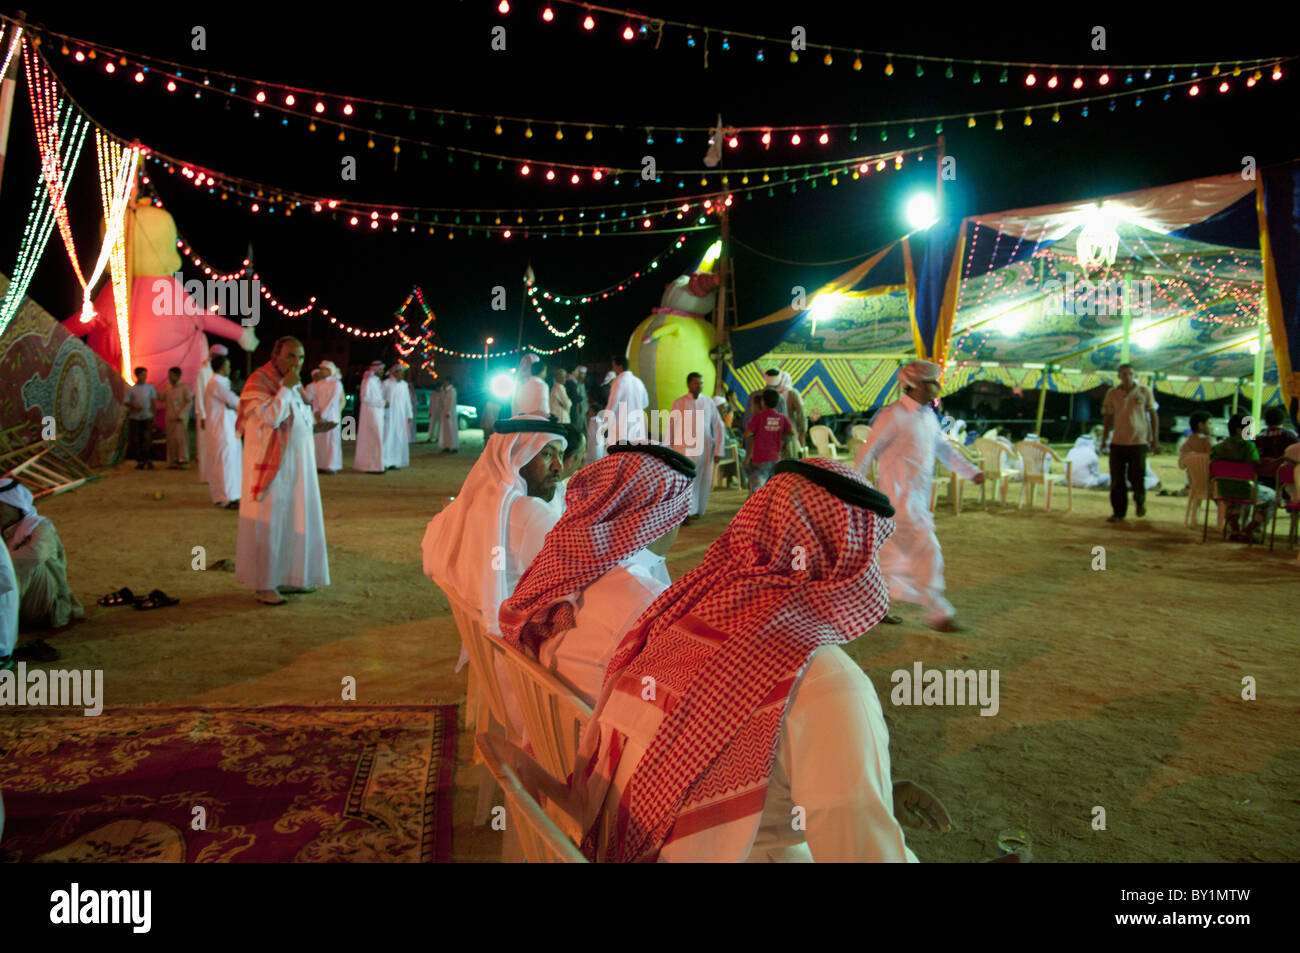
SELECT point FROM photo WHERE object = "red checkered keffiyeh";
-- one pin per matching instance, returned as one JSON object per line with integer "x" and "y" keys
{"x": 796, "y": 570}
{"x": 616, "y": 506}
{"x": 261, "y": 386}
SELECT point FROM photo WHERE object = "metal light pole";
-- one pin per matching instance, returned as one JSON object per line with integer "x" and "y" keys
{"x": 487, "y": 346}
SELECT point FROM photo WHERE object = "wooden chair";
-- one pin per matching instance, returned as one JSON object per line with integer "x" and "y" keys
{"x": 1231, "y": 470}
{"x": 1288, "y": 480}
{"x": 1034, "y": 456}
{"x": 824, "y": 440}
{"x": 990, "y": 459}
{"x": 1197, "y": 466}
{"x": 524, "y": 784}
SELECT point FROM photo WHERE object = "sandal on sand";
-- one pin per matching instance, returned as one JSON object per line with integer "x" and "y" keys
{"x": 267, "y": 601}
{"x": 37, "y": 650}
{"x": 123, "y": 597}
{"x": 892, "y": 620}
{"x": 155, "y": 600}
{"x": 295, "y": 590}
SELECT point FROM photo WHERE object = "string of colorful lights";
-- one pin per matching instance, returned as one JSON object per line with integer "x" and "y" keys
{"x": 615, "y": 288}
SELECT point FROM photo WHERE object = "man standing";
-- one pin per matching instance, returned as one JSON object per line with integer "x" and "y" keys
{"x": 397, "y": 434}
{"x": 1130, "y": 411}
{"x": 448, "y": 418}
{"x": 327, "y": 407}
{"x": 225, "y": 453}
{"x": 200, "y": 401}
{"x": 531, "y": 396}
{"x": 601, "y": 565}
{"x": 764, "y": 435}
{"x": 179, "y": 400}
{"x": 370, "y": 427}
{"x": 905, "y": 438}
{"x": 625, "y": 409}
{"x": 142, "y": 403}
{"x": 792, "y": 406}
{"x": 560, "y": 402}
{"x": 281, "y": 542}
{"x": 696, "y": 431}
{"x": 576, "y": 387}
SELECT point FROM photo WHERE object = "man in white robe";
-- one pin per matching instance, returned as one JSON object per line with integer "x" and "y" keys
{"x": 10, "y": 599}
{"x": 200, "y": 389}
{"x": 39, "y": 561}
{"x": 1085, "y": 465}
{"x": 281, "y": 543}
{"x": 602, "y": 564}
{"x": 730, "y": 706}
{"x": 560, "y": 401}
{"x": 397, "y": 433}
{"x": 448, "y": 418}
{"x": 695, "y": 430}
{"x": 327, "y": 407}
{"x": 370, "y": 423}
{"x": 625, "y": 409}
{"x": 225, "y": 452}
{"x": 905, "y": 438}
{"x": 531, "y": 396}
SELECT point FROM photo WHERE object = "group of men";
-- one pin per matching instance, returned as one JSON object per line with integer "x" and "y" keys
{"x": 385, "y": 420}
{"x": 755, "y": 713}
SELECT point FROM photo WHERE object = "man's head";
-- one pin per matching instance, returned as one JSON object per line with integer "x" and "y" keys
{"x": 574, "y": 451}
{"x": 538, "y": 369}
{"x": 558, "y": 375}
{"x": 580, "y": 373}
{"x": 619, "y": 362}
{"x": 287, "y": 355}
{"x": 1125, "y": 372}
{"x": 1200, "y": 422}
{"x": 920, "y": 380}
{"x": 220, "y": 364}
{"x": 771, "y": 399}
{"x": 594, "y": 409}
{"x": 694, "y": 384}
{"x": 1273, "y": 417}
{"x": 773, "y": 378}
{"x": 141, "y": 374}
{"x": 174, "y": 375}
{"x": 542, "y": 472}
{"x": 1236, "y": 424}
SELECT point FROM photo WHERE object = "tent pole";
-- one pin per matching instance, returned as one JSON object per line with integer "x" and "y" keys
{"x": 1235, "y": 394}
{"x": 1123, "y": 348}
{"x": 1257, "y": 397}
{"x": 1042, "y": 399}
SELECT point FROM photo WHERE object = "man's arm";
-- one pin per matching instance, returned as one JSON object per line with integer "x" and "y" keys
{"x": 1155, "y": 423}
{"x": 952, "y": 458}
{"x": 881, "y": 435}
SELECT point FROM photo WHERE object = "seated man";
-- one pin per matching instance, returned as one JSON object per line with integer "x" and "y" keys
{"x": 602, "y": 564}
{"x": 730, "y": 708}
{"x": 1198, "y": 440}
{"x": 1085, "y": 465}
{"x": 1238, "y": 449}
{"x": 1273, "y": 442}
{"x": 40, "y": 564}
{"x": 573, "y": 460}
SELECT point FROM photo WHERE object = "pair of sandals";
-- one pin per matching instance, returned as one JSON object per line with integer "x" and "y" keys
{"x": 124, "y": 597}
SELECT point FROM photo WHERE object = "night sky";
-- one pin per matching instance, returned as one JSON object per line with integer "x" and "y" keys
{"x": 440, "y": 55}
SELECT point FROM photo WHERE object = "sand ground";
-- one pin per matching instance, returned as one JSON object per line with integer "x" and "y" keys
{"x": 1119, "y": 689}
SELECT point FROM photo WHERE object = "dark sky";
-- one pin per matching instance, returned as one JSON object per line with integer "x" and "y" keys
{"x": 439, "y": 55}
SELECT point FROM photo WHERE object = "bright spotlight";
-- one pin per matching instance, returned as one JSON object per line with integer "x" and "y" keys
{"x": 712, "y": 254}
{"x": 823, "y": 306}
{"x": 921, "y": 212}
{"x": 503, "y": 386}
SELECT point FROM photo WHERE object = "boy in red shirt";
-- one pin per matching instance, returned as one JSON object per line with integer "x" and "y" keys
{"x": 763, "y": 438}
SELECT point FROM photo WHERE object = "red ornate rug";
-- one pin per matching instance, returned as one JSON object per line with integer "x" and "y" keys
{"x": 311, "y": 784}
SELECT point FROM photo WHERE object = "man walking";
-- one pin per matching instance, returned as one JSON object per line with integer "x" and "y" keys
{"x": 179, "y": 400}
{"x": 1129, "y": 420}
{"x": 695, "y": 430}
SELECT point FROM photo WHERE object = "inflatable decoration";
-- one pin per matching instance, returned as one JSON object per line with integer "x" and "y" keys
{"x": 169, "y": 326}
{"x": 678, "y": 337}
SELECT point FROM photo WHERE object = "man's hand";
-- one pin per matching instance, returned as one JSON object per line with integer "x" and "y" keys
{"x": 292, "y": 379}
{"x": 1155, "y": 446}
{"x": 914, "y": 806}
{"x": 324, "y": 426}
{"x": 978, "y": 478}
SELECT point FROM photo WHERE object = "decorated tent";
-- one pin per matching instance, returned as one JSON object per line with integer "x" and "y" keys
{"x": 1196, "y": 283}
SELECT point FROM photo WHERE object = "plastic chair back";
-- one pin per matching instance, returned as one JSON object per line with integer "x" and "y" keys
{"x": 990, "y": 452}
{"x": 1197, "y": 466}
{"x": 822, "y": 437}
{"x": 860, "y": 431}
{"x": 481, "y": 647}
{"x": 1233, "y": 470}
{"x": 541, "y": 839}
{"x": 553, "y": 715}
{"x": 1035, "y": 455}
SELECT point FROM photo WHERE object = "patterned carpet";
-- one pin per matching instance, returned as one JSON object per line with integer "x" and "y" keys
{"x": 311, "y": 784}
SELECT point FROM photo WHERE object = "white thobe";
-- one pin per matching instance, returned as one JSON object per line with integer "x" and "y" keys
{"x": 595, "y": 439}
{"x": 397, "y": 432}
{"x": 327, "y": 402}
{"x": 560, "y": 403}
{"x": 831, "y": 760}
{"x": 200, "y": 413}
{"x": 10, "y": 599}
{"x": 370, "y": 428}
{"x": 225, "y": 452}
{"x": 281, "y": 536}
{"x": 628, "y": 401}
{"x": 605, "y": 612}
{"x": 531, "y": 397}
{"x": 695, "y": 430}
{"x": 905, "y": 438}
{"x": 1085, "y": 465}
{"x": 448, "y": 420}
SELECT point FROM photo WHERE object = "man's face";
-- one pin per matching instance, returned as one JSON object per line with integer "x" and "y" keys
{"x": 1202, "y": 427}
{"x": 288, "y": 358}
{"x": 558, "y": 375}
{"x": 141, "y": 376}
{"x": 580, "y": 376}
{"x": 1126, "y": 377}
{"x": 694, "y": 384}
{"x": 173, "y": 378}
{"x": 924, "y": 391}
{"x": 542, "y": 472}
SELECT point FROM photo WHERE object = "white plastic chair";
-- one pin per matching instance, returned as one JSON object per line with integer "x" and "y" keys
{"x": 523, "y": 782}
{"x": 1034, "y": 456}
{"x": 485, "y": 705}
{"x": 824, "y": 440}
{"x": 859, "y": 431}
{"x": 990, "y": 457}
{"x": 954, "y": 481}
{"x": 1197, "y": 466}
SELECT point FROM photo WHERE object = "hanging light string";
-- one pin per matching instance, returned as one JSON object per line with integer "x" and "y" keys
{"x": 188, "y": 252}
{"x": 610, "y": 290}
{"x": 15, "y": 44}
{"x": 117, "y": 165}
{"x": 577, "y": 319}
{"x": 312, "y": 103}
